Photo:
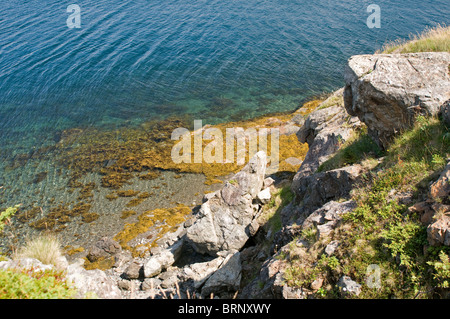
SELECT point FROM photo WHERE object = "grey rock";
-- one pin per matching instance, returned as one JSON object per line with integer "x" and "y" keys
{"x": 388, "y": 91}
{"x": 150, "y": 283}
{"x": 293, "y": 293}
{"x": 269, "y": 181}
{"x": 264, "y": 196}
{"x": 348, "y": 287}
{"x": 200, "y": 272}
{"x": 92, "y": 283}
{"x": 331, "y": 247}
{"x": 134, "y": 270}
{"x": 222, "y": 223}
{"x": 226, "y": 279}
{"x": 324, "y": 130}
{"x": 315, "y": 190}
{"x": 169, "y": 278}
{"x": 105, "y": 247}
{"x": 298, "y": 119}
{"x": 328, "y": 215}
{"x": 155, "y": 264}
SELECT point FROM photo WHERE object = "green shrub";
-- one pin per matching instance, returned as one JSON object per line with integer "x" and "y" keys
{"x": 34, "y": 285}
{"x": 396, "y": 238}
{"x": 442, "y": 270}
{"x": 6, "y": 216}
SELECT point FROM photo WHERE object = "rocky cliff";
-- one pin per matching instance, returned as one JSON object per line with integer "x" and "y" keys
{"x": 251, "y": 240}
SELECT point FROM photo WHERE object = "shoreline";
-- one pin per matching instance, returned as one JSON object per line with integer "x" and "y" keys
{"x": 165, "y": 188}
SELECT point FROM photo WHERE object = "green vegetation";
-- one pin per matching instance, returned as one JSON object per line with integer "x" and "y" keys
{"x": 334, "y": 100}
{"x": 431, "y": 40}
{"x": 355, "y": 150}
{"x": 381, "y": 230}
{"x": 32, "y": 284}
{"x": 49, "y": 284}
{"x": 271, "y": 216}
{"x": 442, "y": 270}
{"x": 396, "y": 237}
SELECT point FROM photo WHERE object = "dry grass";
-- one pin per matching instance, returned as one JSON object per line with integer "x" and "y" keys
{"x": 45, "y": 248}
{"x": 435, "y": 39}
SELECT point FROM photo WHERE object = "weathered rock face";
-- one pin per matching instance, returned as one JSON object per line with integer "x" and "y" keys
{"x": 327, "y": 217}
{"x": 223, "y": 221}
{"x": 324, "y": 130}
{"x": 103, "y": 248}
{"x": 445, "y": 111}
{"x": 226, "y": 279}
{"x": 93, "y": 281}
{"x": 438, "y": 233}
{"x": 317, "y": 189}
{"x": 387, "y": 91}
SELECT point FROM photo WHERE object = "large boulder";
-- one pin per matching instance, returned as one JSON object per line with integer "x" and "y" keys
{"x": 387, "y": 91}
{"x": 224, "y": 220}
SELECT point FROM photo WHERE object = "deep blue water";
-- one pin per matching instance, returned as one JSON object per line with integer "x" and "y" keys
{"x": 140, "y": 60}
{"x": 137, "y": 60}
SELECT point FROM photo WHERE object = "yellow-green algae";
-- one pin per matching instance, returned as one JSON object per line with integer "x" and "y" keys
{"x": 165, "y": 220}
{"x": 143, "y": 152}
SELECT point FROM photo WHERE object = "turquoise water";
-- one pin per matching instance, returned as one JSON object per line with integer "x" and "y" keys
{"x": 134, "y": 61}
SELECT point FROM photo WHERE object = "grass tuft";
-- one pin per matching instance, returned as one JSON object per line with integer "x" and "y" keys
{"x": 45, "y": 248}
{"x": 431, "y": 40}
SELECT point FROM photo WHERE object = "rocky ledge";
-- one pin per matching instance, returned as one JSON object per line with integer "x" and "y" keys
{"x": 222, "y": 250}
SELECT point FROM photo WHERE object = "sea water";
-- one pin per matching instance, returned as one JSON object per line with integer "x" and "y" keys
{"x": 128, "y": 62}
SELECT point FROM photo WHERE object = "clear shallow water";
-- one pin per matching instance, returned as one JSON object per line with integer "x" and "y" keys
{"x": 133, "y": 61}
